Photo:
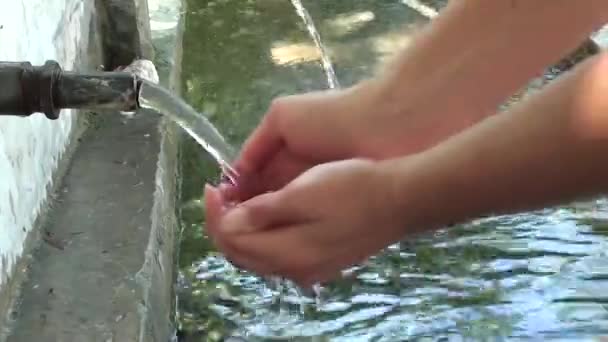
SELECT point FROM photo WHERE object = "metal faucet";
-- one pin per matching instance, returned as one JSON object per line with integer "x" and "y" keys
{"x": 26, "y": 89}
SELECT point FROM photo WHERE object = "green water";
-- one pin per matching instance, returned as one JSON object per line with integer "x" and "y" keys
{"x": 534, "y": 276}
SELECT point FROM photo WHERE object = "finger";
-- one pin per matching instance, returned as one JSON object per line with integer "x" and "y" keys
{"x": 284, "y": 168}
{"x": 291, "y": 253}
{"x": 213, "y": 207}
{"x": 261, "y": 146}
{"x": 247, "y": 186}
{"x": 246, "y": 263}
{"x": 281, "y": 170}
{"x": 285, "y": 249}
{"x": 226, "y": 190}
{"x": 241, "y": 259}
{"x": 326, "y": 272}
{"x": 323, "y": 270}
{"x": 231, "y": 193}
{"x": 263, "y": 212}
{"x": 238, "y": 259}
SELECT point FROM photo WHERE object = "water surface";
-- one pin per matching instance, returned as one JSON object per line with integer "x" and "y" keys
{"x": 535, "y": 276}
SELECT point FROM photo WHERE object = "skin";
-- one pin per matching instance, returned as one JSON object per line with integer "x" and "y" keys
{"x": 456, "y": 72}
{"x": 390, "y": 161}
{"x": 546, "y": 151}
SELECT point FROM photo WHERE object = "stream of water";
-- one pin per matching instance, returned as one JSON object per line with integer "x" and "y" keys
{"x": 328, "y": 67}
{"x": 160, "y": 101}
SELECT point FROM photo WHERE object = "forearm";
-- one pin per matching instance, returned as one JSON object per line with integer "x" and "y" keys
{"x": 476, "y": 53}
{"x": 549, "y": 149}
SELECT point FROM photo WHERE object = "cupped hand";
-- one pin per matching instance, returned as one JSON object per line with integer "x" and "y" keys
{"x": 368, "y": 120}
{"x": 332, "y": 217}
{"x": 297, "y": 133}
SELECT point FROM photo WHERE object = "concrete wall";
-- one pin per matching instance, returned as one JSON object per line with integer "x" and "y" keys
{"x": 30, "y": 148}
{"x": 113, "y": 279}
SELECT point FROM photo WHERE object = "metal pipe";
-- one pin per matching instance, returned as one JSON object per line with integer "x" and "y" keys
{"x": 110, "y": 90}
{"x": 28, "y": 89}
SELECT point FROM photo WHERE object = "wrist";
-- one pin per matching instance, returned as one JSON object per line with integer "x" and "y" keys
{"x": 362, "y": 116}
{"x": 425, "y": 195}
{"x": 408, "y": 193}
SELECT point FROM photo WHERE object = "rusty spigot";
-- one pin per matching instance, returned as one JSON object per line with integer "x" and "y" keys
{"x": 28, "y": 89}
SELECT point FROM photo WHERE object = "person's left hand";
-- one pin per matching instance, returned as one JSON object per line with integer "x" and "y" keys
{"x": 332, "y": 217}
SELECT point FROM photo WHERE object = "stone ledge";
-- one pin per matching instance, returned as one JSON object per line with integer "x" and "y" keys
{"x": 105, "y": 268}
{"x": 88, "y": 57}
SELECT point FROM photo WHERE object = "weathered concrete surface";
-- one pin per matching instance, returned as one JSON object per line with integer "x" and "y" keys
{"x": 126, "y": 25}
{"x": 34, "y": 151}
{"x": 105, "y": 269}
{"x": 83, "y": 282}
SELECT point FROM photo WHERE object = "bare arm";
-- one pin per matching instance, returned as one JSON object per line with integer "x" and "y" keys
{"x": 476, "y": 53}
{"x": 549, "y": 149}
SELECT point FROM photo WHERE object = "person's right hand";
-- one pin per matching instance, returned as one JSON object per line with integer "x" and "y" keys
{"x": 370, "y": 120}
{"x": 297, "y": 133}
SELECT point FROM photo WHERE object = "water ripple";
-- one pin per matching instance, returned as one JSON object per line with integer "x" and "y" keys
{"x": 479, "y": 280}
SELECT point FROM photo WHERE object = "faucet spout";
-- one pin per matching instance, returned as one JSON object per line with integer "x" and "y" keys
{"x": 28, "y": 89}
{"x": 104, "y": 90}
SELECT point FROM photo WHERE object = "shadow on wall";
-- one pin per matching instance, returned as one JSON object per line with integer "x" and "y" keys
{"x": 125, "y": 39}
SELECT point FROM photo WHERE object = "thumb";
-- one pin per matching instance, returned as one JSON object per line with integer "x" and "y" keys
{"x": 261, "y": 146}
{"x": 260, "y": 213}
{"x": 214, "y": 207}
